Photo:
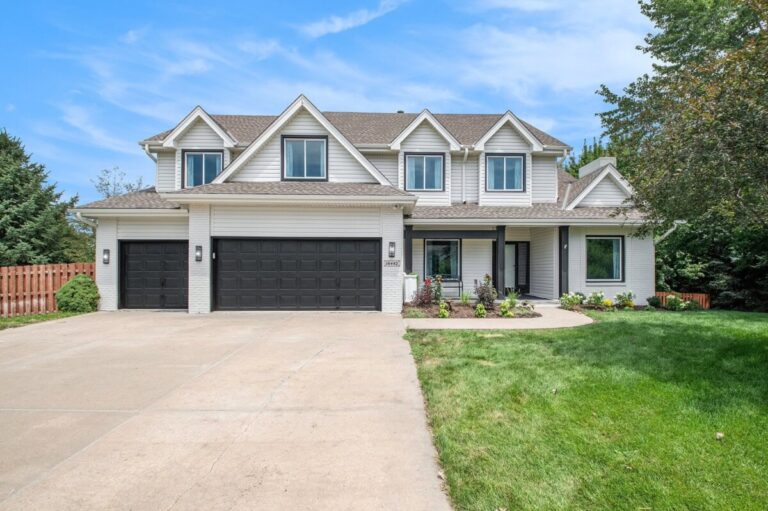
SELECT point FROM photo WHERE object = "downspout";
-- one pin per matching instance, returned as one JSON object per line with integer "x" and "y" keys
{"x": 146, "y": 150}
{"x": 86, "y": 221}
{"x": 463, "y": 176}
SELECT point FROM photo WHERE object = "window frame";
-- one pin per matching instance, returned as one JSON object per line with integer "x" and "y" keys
{"x": 459, "y": 273}
{"x": 522, "y": 156}
{"x": 185, "y": 152}
{"x": 284, "y": 139}
{"x": 422, "y": 190}
{"x": 622, "y": 257}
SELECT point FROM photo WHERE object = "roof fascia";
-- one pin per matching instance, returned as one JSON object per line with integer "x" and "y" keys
{"x": 426, "y": 115}
{"x": 277, "y": 124}
{"x": 197, "y": 113}
{"x": 509, "y": 117}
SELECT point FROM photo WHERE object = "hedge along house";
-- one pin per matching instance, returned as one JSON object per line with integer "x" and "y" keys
{"x": 328, "y": 210}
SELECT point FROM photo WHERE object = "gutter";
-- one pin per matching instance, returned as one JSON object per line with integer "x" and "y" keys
{"x": 272, "y": 199}
{"x": 87, "y": 221}
{"x": 146, "y": 150}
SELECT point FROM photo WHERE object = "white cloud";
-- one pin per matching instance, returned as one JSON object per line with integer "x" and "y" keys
{"x": 81, "y": 119}
{"x": 262, "y": 50}
{"x": 133, "y": 36}
{"x": 336, "y": 24}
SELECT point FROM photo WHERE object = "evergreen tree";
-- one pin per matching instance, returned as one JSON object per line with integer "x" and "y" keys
{"x": 33, "y": 223}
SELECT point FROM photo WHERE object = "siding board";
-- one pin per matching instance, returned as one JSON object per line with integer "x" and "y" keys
{"x": 606, "y": 193}
{"x": 506, "y": 140}
{"x": 544, "y": 179}
{"x": 386, "y": 163}
{"x": 426, "y": 139}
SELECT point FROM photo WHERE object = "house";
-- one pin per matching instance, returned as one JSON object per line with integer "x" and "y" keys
{"x": 329, "y": 210}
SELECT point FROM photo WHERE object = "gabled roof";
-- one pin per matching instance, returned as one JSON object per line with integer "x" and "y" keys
{"x": 196, "y": 114}
{"x": 426, "y": 116}
{"x": 510, "y": 118}
{"x": 299, "y": 103}
{"x": 580, "y": 188}
{"x": 376, "y": 128}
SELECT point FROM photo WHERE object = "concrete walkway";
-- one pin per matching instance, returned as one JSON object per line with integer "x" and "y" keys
{"x": 151, "y": 410}
{"x": 551, "y": 317}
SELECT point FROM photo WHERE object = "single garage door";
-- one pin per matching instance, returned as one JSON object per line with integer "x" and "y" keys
{"x": 296, "y": 274}
{"x": 154, "y": 274}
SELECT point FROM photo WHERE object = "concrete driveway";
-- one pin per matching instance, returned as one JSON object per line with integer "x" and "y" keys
{"x": 159, "y": 410}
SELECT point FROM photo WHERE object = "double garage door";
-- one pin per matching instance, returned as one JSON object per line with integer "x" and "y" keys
{"x": 257, "y": 274}
{"x": 296, "y": 274}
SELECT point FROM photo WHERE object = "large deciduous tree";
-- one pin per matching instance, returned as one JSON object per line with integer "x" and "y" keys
{"x": 33, "y": 223}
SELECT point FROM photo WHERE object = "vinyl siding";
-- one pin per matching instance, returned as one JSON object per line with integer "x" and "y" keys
{"x": 639, "y": 263}
{"x": 506, "y": 140}
{"x": 386, "y": 163}
{"x": 606, "y": 193}
{"x": 544, "y": 262}
{"x": 153, "y": 229}
{"x": 544, "y": 179}
{"x": 166, "y": 172}
{"x": 106, "y": 274}
{"x": 476, "y": 262}
{"x": 426, "y": 139}
{"x": 470, "y": 178}
{"x": 264, "y": 165}
{"x": 518, "y": 234}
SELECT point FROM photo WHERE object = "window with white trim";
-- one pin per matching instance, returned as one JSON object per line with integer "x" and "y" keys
{"x": 424, "y": 172}
{"x": 304, "y": 158}
{"x": 505, "y": 173}
{"x": 605, "y": 258}
{"x": 201, "y": 167}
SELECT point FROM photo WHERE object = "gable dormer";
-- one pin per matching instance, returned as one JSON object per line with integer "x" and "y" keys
{"x": 599, "y": 185}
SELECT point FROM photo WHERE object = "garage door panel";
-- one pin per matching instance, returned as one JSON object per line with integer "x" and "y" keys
{"x": 154, "y": 275}
{"x": 299, "y": 274}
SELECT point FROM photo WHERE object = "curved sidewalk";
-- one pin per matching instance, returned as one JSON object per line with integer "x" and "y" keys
{"x": 551, "y": 317}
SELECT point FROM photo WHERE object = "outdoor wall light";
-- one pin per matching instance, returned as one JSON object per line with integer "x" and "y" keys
{"x": 391, "y": 249}
{"x": 105, "y": 256}
{"x": 198, "y": 253}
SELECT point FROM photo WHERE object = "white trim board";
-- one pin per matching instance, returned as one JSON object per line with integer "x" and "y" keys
{"x": 608, "y": 171}
{"x": 197, "y": 113}
{"x": 510, "y": 118}
{"x": 427, "y": 116}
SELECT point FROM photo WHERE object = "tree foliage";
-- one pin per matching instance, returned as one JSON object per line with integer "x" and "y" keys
{"x": 691, "y": 138}
{"x": 588, "y": 153}
{"x": 33, "y": 223}
{"x": 113, "y": 182}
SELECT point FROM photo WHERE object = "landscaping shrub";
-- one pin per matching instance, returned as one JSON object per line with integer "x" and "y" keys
{"x": 570, "y": 300}
{"x": 607, "y": 303}
{"x": 423, "y": 296}
{"x": 505, "y": 309}
{"x": 437, "y": 289}
{"x": 654, "y": 301}
{"x": 625, "y": 300}
{"x": 443, "y": 312}
{"x": 595, "y": 299}
{"x": 78, "y": 295}
{"x": 480, "y": 311}
{"x": 693, "y": 305}
{"x": 486, "y": 293}
{"x": 512, "y": 298}
{"x": 675, "y": 303}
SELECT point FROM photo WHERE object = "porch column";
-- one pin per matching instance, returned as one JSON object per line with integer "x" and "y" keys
{"x": 408, "y": 249}
{"x": 501, "y": 238}
{"x": 563, "y": 264}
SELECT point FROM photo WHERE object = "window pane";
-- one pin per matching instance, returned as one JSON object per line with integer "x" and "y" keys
{"x": 433, "y": 173}
{"x": 514, "y": 173}
{"x": 194, "y": 169}
{"x": 443, "y": 258}
{"x": 495, "y": 173}
{"x": 316, "y": 158}
{"x": 212, "y": 166}
{"x": 294, "y": 158}
{"x": 603, "y": 258}
{"x": 415, "y": 173}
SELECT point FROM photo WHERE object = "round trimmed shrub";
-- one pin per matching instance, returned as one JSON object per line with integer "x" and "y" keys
{"x": 78, "y": 295}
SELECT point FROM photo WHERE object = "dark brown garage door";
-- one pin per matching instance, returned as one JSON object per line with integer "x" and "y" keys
{"x": 154, "y": 274}
{"x": 293, "y": 274}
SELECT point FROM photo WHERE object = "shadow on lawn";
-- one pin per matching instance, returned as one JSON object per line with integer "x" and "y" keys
{"x": 724, "y": 360}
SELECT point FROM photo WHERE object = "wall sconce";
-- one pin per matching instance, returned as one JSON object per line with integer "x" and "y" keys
{"x": 391, "y": 249}
{"x": 198, "y": 253}
{"x": 105, "y": 256}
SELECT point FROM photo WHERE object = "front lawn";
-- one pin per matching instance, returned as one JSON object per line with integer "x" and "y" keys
{"x": 621, "y": 414}
{"x": 32, "y": 318}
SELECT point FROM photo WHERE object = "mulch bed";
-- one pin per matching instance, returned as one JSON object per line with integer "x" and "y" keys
{"x": 458, "y": 310}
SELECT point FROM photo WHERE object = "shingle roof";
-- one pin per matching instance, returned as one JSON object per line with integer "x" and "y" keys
{"x": 582, "y": 183}
{"x": 374, "y": 127}
{"x": 143, "y": 199}
{"x": 297, "y": 188}
{"x": 537, "y": 211}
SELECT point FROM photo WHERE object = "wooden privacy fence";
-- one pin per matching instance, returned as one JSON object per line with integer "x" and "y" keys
{"x": 32, "y": 289}
{"x": 702, "y": 298}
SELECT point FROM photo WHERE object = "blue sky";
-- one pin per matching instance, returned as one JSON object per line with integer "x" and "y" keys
{"x": 83, "y": 83}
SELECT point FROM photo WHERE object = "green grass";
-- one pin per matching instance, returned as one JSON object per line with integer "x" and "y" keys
{"x": 621, "y": 414}
{"x": 32, "y": 318}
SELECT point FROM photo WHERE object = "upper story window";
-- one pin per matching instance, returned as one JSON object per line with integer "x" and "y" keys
{"x": 424, "y": 172}
{"x": 305, "y": 158}
{"x": 201, "y": 167}
{"x": 605, "y": 258}
{"x": 505, "y": 173}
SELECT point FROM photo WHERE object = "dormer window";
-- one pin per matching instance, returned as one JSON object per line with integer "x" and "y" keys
{"x": 424, "y": 172}
{"x": 305, "y": 158}
{"x": 201, "y": 167}
{"x": 505, "y": 173}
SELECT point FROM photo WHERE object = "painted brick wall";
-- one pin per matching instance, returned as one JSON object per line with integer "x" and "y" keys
{"x": 106, "y": 274}
{"x": 199, "y": 271}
